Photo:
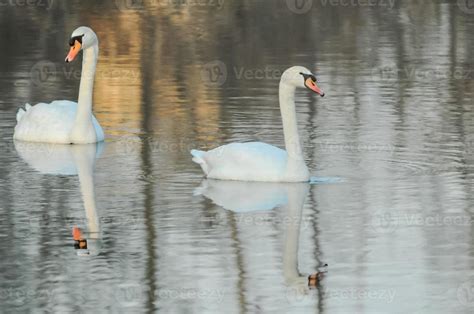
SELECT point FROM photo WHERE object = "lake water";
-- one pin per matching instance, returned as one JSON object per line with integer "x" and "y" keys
{"x": 390, "y": 146}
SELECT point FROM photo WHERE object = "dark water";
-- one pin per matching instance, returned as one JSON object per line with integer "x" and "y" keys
{"x": 396, "y": 128}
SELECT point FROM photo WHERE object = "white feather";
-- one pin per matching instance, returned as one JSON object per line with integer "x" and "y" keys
{"x": 20, "y": 114}
{"x": 254, "y": 161}
{"x": 50, "y": 123}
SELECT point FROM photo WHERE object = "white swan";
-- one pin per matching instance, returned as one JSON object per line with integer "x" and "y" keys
{"x": 258, "y": 161}
{"x": 70, "y": 160}
{"x": 63, "y": 121}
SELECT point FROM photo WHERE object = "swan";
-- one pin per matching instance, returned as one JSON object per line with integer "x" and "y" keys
{"x": 63, "y": 121}
{"x": 55, "y": 159}
{"x": 257, "y": 161}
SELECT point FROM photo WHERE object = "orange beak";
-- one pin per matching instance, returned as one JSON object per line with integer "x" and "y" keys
{"x": 312, "y": 86}
{"x": 73, "y": 51}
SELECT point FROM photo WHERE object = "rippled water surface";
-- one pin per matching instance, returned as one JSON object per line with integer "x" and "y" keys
{"x": 390, "y": 146}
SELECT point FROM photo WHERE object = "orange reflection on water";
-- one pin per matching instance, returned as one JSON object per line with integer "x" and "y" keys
{"x": 118, "y": 92}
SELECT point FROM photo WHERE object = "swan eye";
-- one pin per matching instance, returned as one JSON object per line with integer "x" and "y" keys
{"x": 74, "y": 39}
{"x": 307, "y": 76}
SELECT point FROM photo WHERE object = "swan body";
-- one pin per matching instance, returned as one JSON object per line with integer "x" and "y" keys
{"x": 253, "y": 161}
{"x": 52, "y": 123}
{"x": 62, "y": 121}
{"x": 257, "y": 161}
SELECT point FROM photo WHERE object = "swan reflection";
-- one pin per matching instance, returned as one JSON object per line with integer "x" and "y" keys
{"x": 77, "y": 160}
{"x": 251, "y": 199}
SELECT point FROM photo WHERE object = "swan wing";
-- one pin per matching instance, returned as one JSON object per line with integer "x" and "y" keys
{"x": 254, "y": 161}
{"x": 49, "y": 122}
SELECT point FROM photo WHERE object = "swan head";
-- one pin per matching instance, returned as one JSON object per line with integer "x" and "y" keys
{"x": 82, "y": 38}
{"x": 299, "y": 76}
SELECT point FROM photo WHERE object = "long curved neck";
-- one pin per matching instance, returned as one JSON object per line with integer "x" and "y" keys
{"x": 83, "y": 119}
{"x": 288, "y": 116}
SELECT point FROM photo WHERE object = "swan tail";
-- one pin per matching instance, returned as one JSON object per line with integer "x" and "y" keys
{"x": 22, "y": 111}
{"x": 20, "y": 114}
{"x": 198, "y": 157}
